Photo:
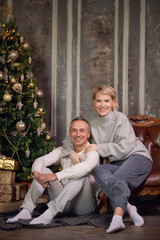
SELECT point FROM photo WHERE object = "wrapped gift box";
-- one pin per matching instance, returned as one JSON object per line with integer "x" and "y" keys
{"x": 7, "y": 189}
{"x": 9, "y": 164}
{"x": 7, "y": 177}
{"x": 7, "y": 198}
{"x": 21, "y": 190}
{"x": 7, "y": 193}
{"x": 11, "y": 193}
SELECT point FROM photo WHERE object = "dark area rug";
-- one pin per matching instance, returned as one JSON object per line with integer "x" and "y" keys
{"x": 94, "y": 219}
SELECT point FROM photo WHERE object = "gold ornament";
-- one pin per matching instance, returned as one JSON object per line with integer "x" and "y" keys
{"x": 17, "y": 65}
{"x": 3, "y": 157}
{"x": 31, "y": 85}
{"x": 40, "y": 112}
{"x": 30, "y": 178}
{"x": 39, "y": 93}
{"x": 39, "y": 131}
{"x": 20, "y": 126}
{"x": 48, "y": 137}
{"x": 43, "y": 126}
{"x": 3, "y": 51}
{"x": 26, "y": 46}
{"x": 13, "y": 55}
{"x": 7, "y": 97}
{"x": 35, "y": 104}
{"x": 13, "y": 80}
{"x": 1, "y": 75}
{"x": 20, "y": 105}
{"x": 29, "y": 75}
{"x": 22, "y": 77}
{"x": 21, "y": 39}
{"x": 29, "y": 60}
{"x": 60, "y": 168}
{"x": 17, "y": 87}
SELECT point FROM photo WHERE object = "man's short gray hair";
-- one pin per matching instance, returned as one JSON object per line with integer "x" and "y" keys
{"x": 79, "y": 118}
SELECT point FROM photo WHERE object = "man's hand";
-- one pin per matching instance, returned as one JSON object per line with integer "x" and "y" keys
{"x": 44, "y": 179}
{"x": 91, "y": 147}
{"x": 76, "y": 158}
{"x": 36, "y": 174}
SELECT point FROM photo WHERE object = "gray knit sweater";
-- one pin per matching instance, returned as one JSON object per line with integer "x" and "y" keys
{"x": 114, "y": 136}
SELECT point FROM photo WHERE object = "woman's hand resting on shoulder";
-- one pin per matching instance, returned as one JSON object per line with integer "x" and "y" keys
{"x": 75, "y": 157}
{"x": 91, "y": 147}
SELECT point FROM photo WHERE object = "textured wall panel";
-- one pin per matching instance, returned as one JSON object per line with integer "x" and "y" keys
{"x": 34, "y": 18}
{"x": 61, "y": 69}
{"x": 134, "y": 44}
{"x": 84, "y": 56}
{"x": 97, "y": 41}
{"x": 152, "y": 88}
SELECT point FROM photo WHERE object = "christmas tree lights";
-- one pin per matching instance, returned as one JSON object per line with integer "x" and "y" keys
{"x": 23, "y": 135}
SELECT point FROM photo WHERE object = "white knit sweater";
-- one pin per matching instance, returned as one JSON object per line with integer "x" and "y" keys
{"x": 89, "y": 161}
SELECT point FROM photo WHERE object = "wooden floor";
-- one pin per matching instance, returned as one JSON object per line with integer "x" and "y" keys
{"x": 150, "y": 230}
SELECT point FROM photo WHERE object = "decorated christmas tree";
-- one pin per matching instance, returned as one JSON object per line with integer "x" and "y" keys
{"x": 23, "y": 135}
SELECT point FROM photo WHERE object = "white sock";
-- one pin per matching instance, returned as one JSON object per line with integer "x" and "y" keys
{"x": 23, "y": 214}
{"x": 132, "y": 212}
{"x": 116, "y": 224}
{"x": 44, "y": 218}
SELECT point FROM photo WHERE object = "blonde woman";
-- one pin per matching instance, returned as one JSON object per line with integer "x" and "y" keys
{"x": 130, "y": 161}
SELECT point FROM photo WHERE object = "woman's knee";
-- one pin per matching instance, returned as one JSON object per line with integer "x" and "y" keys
{"x": 101, "y": 170}
{"x": 97, "y": 170}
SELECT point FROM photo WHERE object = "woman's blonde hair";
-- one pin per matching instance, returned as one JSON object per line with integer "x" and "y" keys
{"x": 108, "y": 90}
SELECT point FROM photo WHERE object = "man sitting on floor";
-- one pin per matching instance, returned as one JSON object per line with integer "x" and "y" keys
{"x": 72, "y": 190}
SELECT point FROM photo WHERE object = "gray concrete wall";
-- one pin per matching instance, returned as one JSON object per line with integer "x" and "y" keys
{"x": 79, "y": 44}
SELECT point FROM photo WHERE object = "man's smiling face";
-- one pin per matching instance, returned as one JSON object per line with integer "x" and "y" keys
{"x": 79, "y": 133}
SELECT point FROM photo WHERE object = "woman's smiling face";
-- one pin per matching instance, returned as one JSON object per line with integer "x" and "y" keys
{"x": 103, "y": 104}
